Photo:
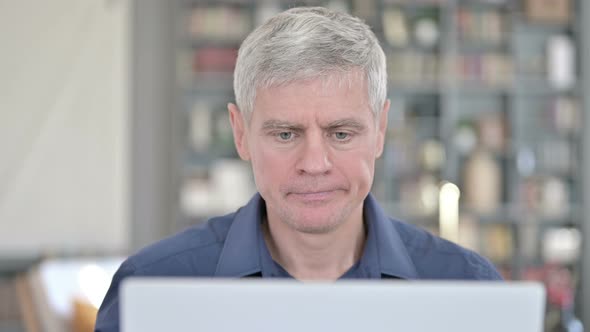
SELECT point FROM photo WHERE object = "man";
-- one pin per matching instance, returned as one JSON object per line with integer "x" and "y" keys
{"x": 311, "y": 116}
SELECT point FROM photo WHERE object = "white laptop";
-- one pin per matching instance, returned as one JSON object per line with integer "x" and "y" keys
{"x": 261, "y": 305}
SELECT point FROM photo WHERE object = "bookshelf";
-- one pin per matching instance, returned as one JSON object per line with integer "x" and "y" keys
{"x": 480, "y": 98}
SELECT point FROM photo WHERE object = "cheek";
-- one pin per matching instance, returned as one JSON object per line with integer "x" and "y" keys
{"x": 358, "y": 166}
{"x": 270, "y": 166}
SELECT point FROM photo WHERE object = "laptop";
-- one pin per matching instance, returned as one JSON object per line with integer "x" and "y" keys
{"x": 261, "y": 305}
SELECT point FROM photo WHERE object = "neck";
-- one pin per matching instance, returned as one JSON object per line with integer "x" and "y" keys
{"x": 316, "y": 256}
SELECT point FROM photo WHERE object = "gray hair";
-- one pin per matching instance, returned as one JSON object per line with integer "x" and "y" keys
{"x": 307, "y": 43}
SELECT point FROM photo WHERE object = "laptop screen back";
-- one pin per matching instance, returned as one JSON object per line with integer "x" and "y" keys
{"x": 205, "y": 305}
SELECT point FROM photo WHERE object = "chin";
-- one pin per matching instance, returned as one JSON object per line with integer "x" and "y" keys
{"x": 318, "y": 223}
{"x": 314, "y": 228}
{"x": 316, "y": 217}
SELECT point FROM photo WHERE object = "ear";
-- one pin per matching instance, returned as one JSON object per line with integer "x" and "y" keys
{"x": 238, "y": 126}
{"x": 382, "y": 127}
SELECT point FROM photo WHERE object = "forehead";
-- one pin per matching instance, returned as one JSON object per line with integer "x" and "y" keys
{"x": 327, "y": 98}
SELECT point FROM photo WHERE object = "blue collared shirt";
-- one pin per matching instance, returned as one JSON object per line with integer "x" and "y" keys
{"x": 233, "y": 246}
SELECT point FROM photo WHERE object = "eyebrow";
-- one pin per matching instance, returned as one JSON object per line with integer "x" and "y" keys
{"x": 349, "y": 123}
{"x": 280, "y": 124}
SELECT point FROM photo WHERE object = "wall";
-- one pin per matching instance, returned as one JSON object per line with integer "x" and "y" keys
{"x": 63, "y": 126}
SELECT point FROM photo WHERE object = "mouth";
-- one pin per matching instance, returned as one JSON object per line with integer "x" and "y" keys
{"x": 314, "y": 196}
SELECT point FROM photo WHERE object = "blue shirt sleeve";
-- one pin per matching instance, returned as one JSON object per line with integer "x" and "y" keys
{"x": 107, "y": 319}
{"x": 482, "y": 268}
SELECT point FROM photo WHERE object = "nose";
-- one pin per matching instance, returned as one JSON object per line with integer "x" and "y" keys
{"x": 314, "y": 156}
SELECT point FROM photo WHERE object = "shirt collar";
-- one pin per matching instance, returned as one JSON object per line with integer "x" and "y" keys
{"x": 240, "y": 255}
{"x": 385, "y": 252}
{"x": 245, "y": 253}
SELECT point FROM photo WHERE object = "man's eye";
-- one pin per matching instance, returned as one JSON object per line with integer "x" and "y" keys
{"x": 285, "y": 135}
{"x": 341, "y": 135}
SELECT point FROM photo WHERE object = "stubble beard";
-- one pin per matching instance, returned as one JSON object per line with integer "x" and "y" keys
{"x": 336, "y": 219}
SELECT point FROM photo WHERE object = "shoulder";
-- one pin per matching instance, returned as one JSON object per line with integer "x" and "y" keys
{"x": 193, "y": 252}
{"x": 437, "y": 258}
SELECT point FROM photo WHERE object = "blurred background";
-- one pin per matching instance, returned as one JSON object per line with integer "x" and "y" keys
{"x": 114, "y": 133}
